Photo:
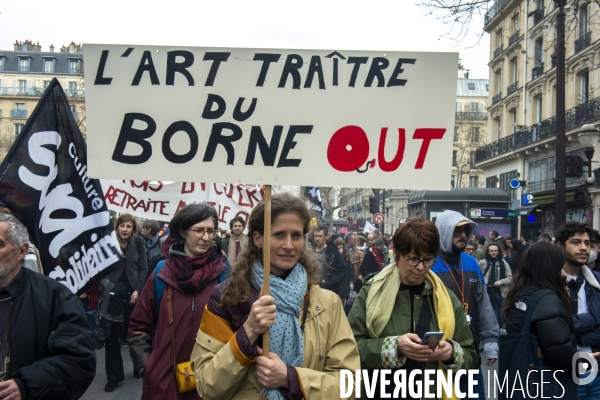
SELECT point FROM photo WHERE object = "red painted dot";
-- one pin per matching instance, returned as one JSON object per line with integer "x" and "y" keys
{"x": 348, "y": 148}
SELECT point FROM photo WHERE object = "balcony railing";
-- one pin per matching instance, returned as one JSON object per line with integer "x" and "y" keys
{"x": 583, "y": 42}
{"x": 574, "y": 118}
{"x": 498, "y": 51}
{"x": 512, "y": 88}
{"x": 537, "y": 71}
{"x": 18, "y": 113}
{"x": 471, "y": 116}
{"x": 495, "y": 10}
{"x": 513, "y": 38}
{"x": 538, "y": 16}
{"x": 497, "y": 98}
{"x": 35, "y": 91}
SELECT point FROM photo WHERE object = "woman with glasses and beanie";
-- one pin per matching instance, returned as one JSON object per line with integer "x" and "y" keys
{"x": 194, "y": 265}
{"x": 310, "y": 340}
{"x": 395, "y": 309}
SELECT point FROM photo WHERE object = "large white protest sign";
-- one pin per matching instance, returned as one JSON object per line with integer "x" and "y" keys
{"x": 161, "y": 201}
{"x": 258, "y": 116}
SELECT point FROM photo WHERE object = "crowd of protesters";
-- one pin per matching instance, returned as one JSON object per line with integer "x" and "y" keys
{"x": 189, "y": 302}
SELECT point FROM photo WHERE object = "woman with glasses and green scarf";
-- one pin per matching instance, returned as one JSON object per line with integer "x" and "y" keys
{"x": 405, "y": 300}
{"x": 194, "y": 265}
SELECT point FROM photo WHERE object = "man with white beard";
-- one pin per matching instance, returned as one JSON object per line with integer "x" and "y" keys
{"x": 45, "y": 341}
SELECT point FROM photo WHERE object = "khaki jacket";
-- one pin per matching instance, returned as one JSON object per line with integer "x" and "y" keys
{"x": 223, "y": 372}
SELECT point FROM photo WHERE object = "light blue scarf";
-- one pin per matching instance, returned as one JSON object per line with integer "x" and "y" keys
{"x": 285, "y": 338}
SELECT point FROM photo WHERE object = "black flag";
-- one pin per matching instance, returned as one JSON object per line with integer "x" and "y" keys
{"x": 314, "y": 195}
{"x": 43, "y": 180}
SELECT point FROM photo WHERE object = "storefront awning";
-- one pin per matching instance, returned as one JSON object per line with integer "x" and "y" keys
{"x": 525, "y": 210}
{"x": 549, "y": 198}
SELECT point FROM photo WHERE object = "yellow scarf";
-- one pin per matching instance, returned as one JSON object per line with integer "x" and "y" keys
{"x": 382, "y": 298}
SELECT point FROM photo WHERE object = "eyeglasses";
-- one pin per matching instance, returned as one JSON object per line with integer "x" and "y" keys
{"x": 199, "y": 233}
{"x": 415, "y": 261}
{"x": 459, "y": 230}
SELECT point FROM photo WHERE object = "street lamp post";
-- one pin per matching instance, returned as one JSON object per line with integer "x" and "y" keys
{"x": 561, "y": 164}
{"x": 588, "y": 138}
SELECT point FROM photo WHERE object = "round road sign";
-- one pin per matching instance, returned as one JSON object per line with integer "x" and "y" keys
{"x": 515, "y": 183}
{"x": 378, "y": 218}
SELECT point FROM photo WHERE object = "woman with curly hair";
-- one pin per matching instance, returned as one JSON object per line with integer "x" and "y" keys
{"x": 310, "y": 338}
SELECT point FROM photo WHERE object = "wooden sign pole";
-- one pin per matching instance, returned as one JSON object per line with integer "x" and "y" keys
{"x": 266, "y": 290}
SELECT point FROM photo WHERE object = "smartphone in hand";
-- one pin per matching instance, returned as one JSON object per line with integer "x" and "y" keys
{"x": 432, "y": 339}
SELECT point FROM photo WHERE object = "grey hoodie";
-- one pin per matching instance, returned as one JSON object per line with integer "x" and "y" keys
{"x": 484, "y": 325}
{"x": 446, "y": 222}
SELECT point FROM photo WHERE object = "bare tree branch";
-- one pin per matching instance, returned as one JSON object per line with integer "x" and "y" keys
{"x": 458, "y": 15}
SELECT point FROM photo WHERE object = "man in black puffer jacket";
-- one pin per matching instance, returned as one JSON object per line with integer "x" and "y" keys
{"x": 45, "y": 340}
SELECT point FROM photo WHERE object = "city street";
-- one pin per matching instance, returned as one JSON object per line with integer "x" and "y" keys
{"x": 131, "y": 389}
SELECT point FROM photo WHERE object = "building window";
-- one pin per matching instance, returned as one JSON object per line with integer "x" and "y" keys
{"x": 498, "y": 81}
{"x": 49, "y": 65}
{"x": 473, "y": 181}
{"x": 1, "y": 63}
{"x": 454, "y": 156}
{"x": 585, "y": 87}
{"x": 475, "y": 134}
{"x": 471, "y": 86}
{"x": 505, "y": 183}
{"x": 584, "y": 22}
{"x": 515, "y": 71}
{"x": 46, "y": 84}
{"x": 476, "y": 107}
{"x": 24, "y": 64}
{"x": 72, "y": 88}
{"x": 22, "y": 86}
{"x": 18, "y": 129}
{"x": 491, "y": 182}
{"x": 20, "y": 106}
{"x": 456, "y": 133}
{"x": 516, "y": 23}
{"x": 453, "y": 181}
{"x": 459, "y": 106}
{"x": 74, "y": 67}
{"x": 539, "y": 52}
{"x": 472, "y": 159}
{"x": 498, "y": 128}
{"x": 538, "y": 110}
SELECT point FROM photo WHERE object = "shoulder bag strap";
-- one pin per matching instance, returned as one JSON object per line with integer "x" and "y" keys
{"x": 487, "y": 268}
{"x": 530, "y": 307}
{"x": 170, "y": 322}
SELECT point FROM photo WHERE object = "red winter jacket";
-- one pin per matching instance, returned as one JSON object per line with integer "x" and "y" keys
{"x": 153, "y": 353}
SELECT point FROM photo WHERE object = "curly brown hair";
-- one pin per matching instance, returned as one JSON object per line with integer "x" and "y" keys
{"x": 238, "y": 287}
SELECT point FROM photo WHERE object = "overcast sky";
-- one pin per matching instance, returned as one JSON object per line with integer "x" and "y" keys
{"x": 397, "y": 25}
